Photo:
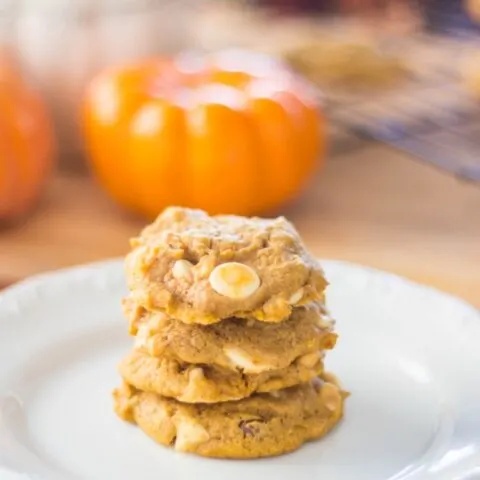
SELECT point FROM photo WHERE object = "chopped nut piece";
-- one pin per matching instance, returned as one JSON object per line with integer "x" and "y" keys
{"x": 189, "y": 434}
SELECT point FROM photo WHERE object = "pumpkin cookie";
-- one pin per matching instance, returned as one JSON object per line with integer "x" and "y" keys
{"x": 234, "y": 343}
{"x": 202, "y": 269}
{"x": 337, "y": 64}
{"x": 258, "y": 426}
{"x": 194, "y": 383}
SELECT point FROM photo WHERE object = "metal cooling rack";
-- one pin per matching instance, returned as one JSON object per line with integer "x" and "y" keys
{"x": 431, "y": 115}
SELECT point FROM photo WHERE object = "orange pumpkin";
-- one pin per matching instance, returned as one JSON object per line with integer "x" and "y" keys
{"x": 26, "y": 143}
{"x": 233, "y": 132}
{"x": 473, "y": 9}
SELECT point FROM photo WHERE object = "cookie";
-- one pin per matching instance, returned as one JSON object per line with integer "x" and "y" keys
{"x": 194, "y": 383}
{"x": 202, "y": 269}
{"x": 258, "y": 426}
{"x": 347, "y": 65}
{"x": 234, "y": 343}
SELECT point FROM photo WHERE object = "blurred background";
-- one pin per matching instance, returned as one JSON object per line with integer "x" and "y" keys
{"x": 359, "y": 120}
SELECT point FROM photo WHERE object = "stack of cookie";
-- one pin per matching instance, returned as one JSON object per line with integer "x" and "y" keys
{"x": 230, "y": 333}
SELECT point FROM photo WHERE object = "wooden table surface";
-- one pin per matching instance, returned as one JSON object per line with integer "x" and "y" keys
{"x": 374, "y": 206}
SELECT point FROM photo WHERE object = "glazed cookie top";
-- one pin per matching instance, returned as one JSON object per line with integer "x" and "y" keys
{"x": 202, "y": 269}
{"x": 236, "y": 344}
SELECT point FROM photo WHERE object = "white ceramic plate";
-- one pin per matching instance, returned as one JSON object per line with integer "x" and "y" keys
{"x": 409, "y": 355}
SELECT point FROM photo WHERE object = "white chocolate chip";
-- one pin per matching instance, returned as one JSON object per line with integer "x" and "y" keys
{"x": 309, "y": 360}
{"x": 234, "y": 280}
{"x": 330, "y": 396}
{"x": 296, "y": 297}
{"x": 325, "y": 323}
{"x": 241, "y": 359}
{"x": 182, "y": 269}
{"x": 196, "y": 375}
{"x": 189, "y": 435}
{"x": 142, "y": 336}
{"x": 195, "y": 387}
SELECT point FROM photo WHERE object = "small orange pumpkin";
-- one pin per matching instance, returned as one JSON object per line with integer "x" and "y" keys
{"x": 235, "y": 132}
{"x": 27, "y": 142}
{"x": 473, "y": 9}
